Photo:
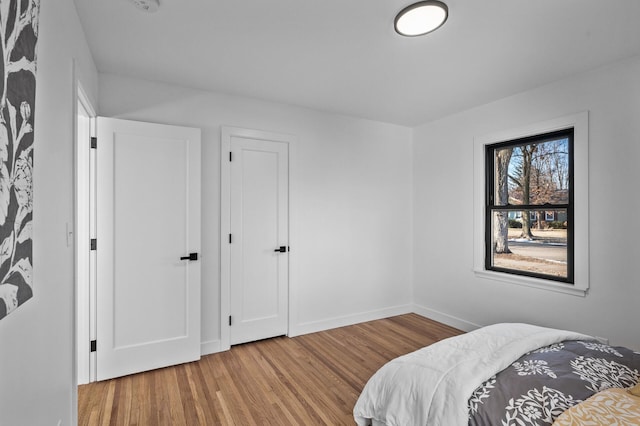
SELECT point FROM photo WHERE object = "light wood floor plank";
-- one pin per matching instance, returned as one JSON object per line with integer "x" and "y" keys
{"x": 313, "y": 379}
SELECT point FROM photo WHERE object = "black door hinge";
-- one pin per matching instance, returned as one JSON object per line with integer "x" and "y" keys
{"x": 229, "y": 320}
{"x": 230, "y": 156}
{"x": 94, "y": 244}
{"x": 94, "y": 142}
{"x": 94, "y": 345}
{"x": 229, "y": 238}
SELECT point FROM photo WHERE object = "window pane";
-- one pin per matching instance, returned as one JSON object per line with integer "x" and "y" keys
{"x": 531, "y": 242}
{"x": 532, "y": 173}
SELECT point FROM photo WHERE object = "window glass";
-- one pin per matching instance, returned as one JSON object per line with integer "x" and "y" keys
{"x": 529, "y": 206}
{"x": 545, "y": 254}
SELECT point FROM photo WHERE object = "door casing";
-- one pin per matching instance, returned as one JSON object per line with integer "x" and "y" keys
{"x": 84, "y": 125}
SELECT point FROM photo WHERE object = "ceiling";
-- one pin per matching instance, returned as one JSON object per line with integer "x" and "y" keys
{"x": 343, "y": 56}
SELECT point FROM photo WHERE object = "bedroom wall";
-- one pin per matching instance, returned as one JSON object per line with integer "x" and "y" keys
{"x": 36, "y": 341}
{"x": 352, "y": 200}
{"x": 445, "y": 286}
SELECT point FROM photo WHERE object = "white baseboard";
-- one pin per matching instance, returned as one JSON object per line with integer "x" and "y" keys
{"x": 315, "y": 326}
{"x": 214, "y": 346}
{"x": 449, "y": 320}
{"x": 210, "y": 347}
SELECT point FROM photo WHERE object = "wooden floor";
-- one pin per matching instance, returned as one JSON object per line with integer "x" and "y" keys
{"x": 313, "y": 379}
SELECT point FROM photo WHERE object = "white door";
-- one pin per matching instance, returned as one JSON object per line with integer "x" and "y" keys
{"x": 259, "y": 259}
{"x": 148, "y": 218}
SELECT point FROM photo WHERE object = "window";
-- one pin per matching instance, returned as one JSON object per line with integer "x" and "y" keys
{"x": 533, "y": 178}
{"x": 553, "y": 214}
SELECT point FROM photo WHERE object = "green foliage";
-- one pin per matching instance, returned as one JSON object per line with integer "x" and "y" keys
{"x": 514, "y": 224}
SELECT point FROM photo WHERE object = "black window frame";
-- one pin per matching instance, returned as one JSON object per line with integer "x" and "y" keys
{"x": 490, "y": 207}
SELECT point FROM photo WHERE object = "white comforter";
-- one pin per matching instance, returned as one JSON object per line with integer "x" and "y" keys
{"x": 431, "y": 386}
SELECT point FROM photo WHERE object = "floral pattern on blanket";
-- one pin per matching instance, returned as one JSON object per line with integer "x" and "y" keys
{"x": 537, "y": 407}
{"x": 541, "y": 385}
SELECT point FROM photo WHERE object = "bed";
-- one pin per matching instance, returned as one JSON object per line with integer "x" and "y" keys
{"x": 504, "y": 375}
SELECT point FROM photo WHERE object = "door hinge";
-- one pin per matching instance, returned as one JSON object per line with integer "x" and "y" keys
{"x": 94, "y": 345}
{"x": 230, "y": 156}
{"x": 94, "y": 244}
{"x": 94, "y": 142}
{"x": 229, "y": 238}
{"x": 229, "y": 320}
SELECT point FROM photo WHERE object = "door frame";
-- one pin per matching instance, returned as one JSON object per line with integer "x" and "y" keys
{"x": 228, "y": 132}
{"x": 84, "y": 365}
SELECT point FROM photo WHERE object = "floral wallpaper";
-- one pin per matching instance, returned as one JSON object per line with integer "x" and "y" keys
{"x": 18, "y": 40}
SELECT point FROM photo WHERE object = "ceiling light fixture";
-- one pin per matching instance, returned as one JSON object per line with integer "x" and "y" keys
{"x": 146, "y": 5}
{"x": 421, "y": 18}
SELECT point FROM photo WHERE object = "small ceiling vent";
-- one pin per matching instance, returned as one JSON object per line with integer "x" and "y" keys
{"x": 146, "y": 5}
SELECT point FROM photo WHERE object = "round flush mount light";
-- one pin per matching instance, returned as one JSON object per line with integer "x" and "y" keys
{"x": 146, "y": 5}
{"x": 421, "y": 18}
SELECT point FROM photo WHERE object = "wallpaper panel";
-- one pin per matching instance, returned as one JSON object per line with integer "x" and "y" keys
{"x": 18, "y": 40}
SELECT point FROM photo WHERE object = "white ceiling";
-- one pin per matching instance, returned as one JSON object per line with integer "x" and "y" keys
{"x": 343, "y": 56}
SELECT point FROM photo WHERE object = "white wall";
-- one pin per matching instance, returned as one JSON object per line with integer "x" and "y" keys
{"x": 36, "y": 348}
{"x": 352, "y": 200}
{"x": 445, "y": 286}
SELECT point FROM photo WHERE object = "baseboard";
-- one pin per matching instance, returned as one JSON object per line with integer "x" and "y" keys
{"x": 315, "y": 326}
{"x": 449, "y": 320}
{"x": 210, "y": 347}
{"x": 214, "y": 346}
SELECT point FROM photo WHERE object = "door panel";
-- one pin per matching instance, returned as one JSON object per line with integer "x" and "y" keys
{"x": 146, "y": 206}
{"x": 259, "y": 225}
{"x": 148, "y": 312}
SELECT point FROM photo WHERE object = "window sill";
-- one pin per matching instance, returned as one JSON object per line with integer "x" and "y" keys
{"x": 573, "y": 290}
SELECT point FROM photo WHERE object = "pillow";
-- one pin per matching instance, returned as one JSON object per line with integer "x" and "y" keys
{"x": 635, "y": 391}
{"x": 612, "y": 406}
